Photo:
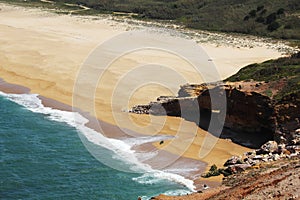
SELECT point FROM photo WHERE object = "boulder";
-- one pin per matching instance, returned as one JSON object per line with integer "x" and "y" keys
{"x": 233, "y": 160}
{"x": 281, "y": 148}
{"x": 295, "y": 138}
{"x": 258, "y": 157}
{"x": 250, "y": 161}
{"x": 269, "y": 147}
{"x": 293, "y": 148}
{"x": 238, "y": 168}
{"x": 274, "y": 157}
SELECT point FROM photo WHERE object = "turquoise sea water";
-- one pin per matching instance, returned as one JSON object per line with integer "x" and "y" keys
{"x": 44, "y": 158}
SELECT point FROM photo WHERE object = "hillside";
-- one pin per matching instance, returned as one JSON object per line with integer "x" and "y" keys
{"x": 274, "y": 180}
{"x": 286, "y": 69}
{"x": 276, "y": 18}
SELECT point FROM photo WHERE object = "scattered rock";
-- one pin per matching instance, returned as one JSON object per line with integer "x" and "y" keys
{"x": 293, "y": 148}
{"x": 140, "y": 109}
{"x": 238, "y": 168}
{"x": 296, "y": 138}
{"x": 276, "y": 157}
{"x": 250, "y": 161}
{"x": 281, "y": 148}
{"x": 269, "y": 147}
{"x": 250, "y": 154}
{"x": 233, "y": 160}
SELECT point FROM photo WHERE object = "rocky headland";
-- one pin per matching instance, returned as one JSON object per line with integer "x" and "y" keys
{"x": 262, "y": 112}
{"x": 262, "y": 103}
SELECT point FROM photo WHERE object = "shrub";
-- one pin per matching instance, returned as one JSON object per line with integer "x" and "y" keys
{"x": 213, "y": 171}
{"x": 271, "y": 18}
{"x": 246, "y": 18}
{"x": 264, "y": 11}
{"x": 280, "y": 11}
{"x": 260, "y": 19}
{"x": 273, "y": 26}
{"x": 260, "y": 8}
{"x": 213, "y": 168}
{"x": 288, "y": 26}
{"x": 252, "y": 13}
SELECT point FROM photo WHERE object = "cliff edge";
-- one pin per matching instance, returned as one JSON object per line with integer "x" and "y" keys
{"x": 262, "y": 103}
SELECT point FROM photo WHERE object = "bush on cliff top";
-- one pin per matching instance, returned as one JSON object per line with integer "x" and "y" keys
{"x": 274, "y": 70}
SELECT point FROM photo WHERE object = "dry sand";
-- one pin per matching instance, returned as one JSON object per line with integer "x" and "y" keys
{"x": 44, "y": 51}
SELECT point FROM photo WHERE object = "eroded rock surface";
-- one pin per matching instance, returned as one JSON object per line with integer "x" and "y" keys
{"x": 251, "y": 116}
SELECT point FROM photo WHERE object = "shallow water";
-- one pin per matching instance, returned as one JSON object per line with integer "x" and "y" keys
{"x": 42, "y": 157}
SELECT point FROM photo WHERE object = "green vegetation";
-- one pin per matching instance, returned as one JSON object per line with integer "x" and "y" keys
{"x": 214, "y": 171}
{"x": 269, "y": 93}
{"x": 276, "y": 18}
{"x": 273, "y": 70}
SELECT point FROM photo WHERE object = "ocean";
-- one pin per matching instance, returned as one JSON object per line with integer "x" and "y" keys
{"x": 43, "y": 157}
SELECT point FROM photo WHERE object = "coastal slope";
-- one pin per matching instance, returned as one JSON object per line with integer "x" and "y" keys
{"x": 276, "y": 180}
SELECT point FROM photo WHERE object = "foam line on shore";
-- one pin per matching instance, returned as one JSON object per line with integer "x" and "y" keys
{"x": 122, "y": 150}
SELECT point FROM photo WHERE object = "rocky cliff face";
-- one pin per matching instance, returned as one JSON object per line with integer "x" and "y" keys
{"x": 287, "y": 112}
{"x": 251, "y": 116}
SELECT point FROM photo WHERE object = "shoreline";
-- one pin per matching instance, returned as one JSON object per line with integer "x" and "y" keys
{"x": 118, "y": 134}
{"x": 48, "y": 67}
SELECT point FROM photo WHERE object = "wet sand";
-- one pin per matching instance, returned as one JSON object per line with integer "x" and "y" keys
{"x": 165, "y": 161}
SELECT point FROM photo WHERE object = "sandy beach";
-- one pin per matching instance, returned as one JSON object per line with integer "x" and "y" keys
{"x": 44, "y": 51}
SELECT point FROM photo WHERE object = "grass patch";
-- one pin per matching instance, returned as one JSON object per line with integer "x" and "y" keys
{"x": 273, "y": 70}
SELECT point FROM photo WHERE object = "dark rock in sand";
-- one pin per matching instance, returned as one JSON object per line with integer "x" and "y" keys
{"x": 233, "y": 160}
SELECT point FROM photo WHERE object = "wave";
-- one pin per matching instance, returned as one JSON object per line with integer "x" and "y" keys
{"x": 146, "y": 139}
{"x": 122, "y": 150}
{"x": 177, "y": 192}
{"x": 155, "y": 177}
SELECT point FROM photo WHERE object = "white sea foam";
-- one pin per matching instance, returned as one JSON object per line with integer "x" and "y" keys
{"x": 177, "y": 192}
{"x": 122, "y": 149}
{"x": 147, "y": 139}
{"x": 157, "y": 176}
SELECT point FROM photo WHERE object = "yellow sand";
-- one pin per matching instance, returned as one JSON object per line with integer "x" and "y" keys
{"x": 44, "y": 51}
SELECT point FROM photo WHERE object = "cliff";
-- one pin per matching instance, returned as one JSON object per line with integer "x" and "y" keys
{"x": 259, "y": 103}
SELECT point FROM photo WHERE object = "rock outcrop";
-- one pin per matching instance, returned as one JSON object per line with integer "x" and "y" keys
{"x": 259, "y": 103}
{"x": 251, "y": 117}
{"x": 268, "y": 152}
